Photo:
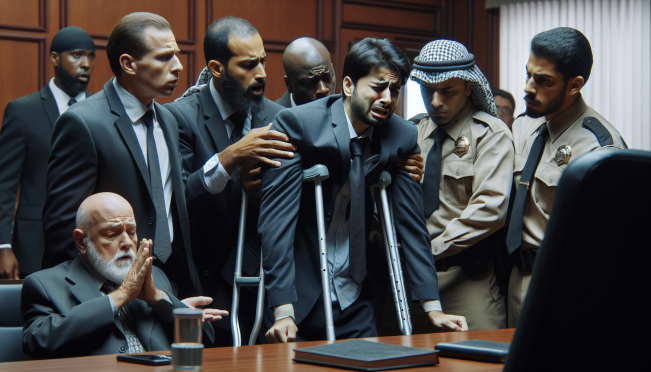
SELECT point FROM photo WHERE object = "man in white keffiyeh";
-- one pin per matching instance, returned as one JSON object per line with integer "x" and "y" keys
{"x": 467, "y": 181}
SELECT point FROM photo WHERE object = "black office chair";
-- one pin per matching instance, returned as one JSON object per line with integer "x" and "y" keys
{"x": 11, "y": 322}
{"x": 587, "y": 306}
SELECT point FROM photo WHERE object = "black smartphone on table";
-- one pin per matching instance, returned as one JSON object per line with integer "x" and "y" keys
{"x": 146, "y": 359}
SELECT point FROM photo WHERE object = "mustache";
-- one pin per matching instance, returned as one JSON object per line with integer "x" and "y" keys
{"x": 258, "y": 83}
{"x": 529, "y": 97}
{"x": 380, "y": 106}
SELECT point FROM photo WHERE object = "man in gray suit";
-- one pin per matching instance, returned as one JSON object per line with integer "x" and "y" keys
{"x": 109, "y": 299}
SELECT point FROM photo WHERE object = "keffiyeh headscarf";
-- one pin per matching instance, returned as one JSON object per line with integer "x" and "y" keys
{"x": 441, "y": 60}
{"x": 203, "y": 80}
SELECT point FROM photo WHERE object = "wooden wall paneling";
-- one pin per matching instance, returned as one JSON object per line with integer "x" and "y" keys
{"x": 26, "y": 74}
{"x": 493, "y": 43}
{"x": 30, "y": 14}
{"x": 99, "y": 17}
{"x": 396, "y": 18}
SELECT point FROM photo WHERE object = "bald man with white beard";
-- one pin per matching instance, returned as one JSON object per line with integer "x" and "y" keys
{"x": 109, "y": 299}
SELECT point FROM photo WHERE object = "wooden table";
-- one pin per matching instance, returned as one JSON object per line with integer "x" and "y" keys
{"x": 270, "y": 358}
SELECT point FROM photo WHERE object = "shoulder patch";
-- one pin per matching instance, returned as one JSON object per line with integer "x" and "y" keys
{"x": 595, "y": 126}
{"x": 495, "y": 124}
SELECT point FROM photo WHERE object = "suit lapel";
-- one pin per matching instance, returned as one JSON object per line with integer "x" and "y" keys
{"x": 259, "y": 120}
{"x": 213, "y": 120}
{"x": 342, "y": 135}
{"x": 380, "y": 139}
{"x": 83, "y": 284}
{"x": 125, "y": 127}
{"x": 49, "y": 104}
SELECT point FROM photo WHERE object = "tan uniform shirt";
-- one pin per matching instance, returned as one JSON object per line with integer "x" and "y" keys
{"x": 565, "y": 129}
{"x": 475, "y": 186}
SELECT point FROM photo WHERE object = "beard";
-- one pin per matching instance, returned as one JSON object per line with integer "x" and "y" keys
{"x": 71, "y": 82}
{"x": 112, "y": 269}
{"x": 362, "y": 111}
{"x": 241, "y": 99}
{"x": 552, "y": 107}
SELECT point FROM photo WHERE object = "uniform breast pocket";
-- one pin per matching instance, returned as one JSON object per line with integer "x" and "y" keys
{"x": 457, "y": 179}
{"x": 547, "y": 177}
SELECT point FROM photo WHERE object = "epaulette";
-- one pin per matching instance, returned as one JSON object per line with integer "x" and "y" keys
{"x": 595, "y": 126}
{"x": 417, "y": 118}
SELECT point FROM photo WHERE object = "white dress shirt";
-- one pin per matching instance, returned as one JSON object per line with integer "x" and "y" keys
{"x": 291, "y": 99}
{"x": 342, "y": 288}
{"x": 62, "y": 97}
{"x": 214, "y": 173}
{"x": 136, "y": 110}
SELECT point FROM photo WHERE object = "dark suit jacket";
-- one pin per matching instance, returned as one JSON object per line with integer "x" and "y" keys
{"x": 95, "y": 149}
{"x": 285, "y": 101}
{"x": 67, "y": 316}
{"x": 25, "y": 143}
{"x": 215, "y": 217}
{"x": 287, "y": 222}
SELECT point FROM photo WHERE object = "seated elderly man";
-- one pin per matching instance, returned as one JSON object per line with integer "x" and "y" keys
{"x": 109, "y": 299}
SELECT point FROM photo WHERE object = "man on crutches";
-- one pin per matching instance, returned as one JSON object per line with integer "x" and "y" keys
{"x": 356, "y": 137}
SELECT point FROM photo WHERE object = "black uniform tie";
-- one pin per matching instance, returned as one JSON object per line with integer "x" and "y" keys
{"x": 162, "y": 243}
{"x": 432, "y": 178}
{"x": 357, "y": 226}
{"x": 514, "y": 236}
{"x": 72, "y": 102}
{"x": 237, "y": 119}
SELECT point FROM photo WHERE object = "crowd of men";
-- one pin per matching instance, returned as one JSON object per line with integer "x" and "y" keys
{"x": 472, "y": 189}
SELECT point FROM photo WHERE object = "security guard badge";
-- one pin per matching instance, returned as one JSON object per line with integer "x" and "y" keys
{"x": 461, "y": 146}
{"x": 563, "y": 155}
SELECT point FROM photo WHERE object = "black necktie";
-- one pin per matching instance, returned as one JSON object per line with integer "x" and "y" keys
{"x": 162, "y": 244}
{"x": 432, "y": 178}
{"x": 514, "y": 236}
{"x": 72, "y": 102}
{"x": 357, "y": 227}
{"x": 237, "y": 119}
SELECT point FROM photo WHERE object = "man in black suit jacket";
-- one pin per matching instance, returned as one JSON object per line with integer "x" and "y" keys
{"x": 109, "y": 299}
{"x": 327, "y": 132}
{"x": 211, "y": 121}
{"x": 120, "y": 140}
{"x": 309, "y": 73}
{"x": 25, "y": 143}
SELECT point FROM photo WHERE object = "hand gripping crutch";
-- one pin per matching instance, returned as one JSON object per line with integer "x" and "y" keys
{"x": 385, "y": 214}
{"x": 317, "y": 174}
{"x": 242, "y": 281}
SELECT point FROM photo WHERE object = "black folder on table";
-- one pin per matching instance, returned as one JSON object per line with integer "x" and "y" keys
{"x": 480, "y": 350}
{"x": 363, "y": 355}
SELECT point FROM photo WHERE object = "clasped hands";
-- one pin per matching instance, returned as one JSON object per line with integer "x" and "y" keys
{"x": 139, "y": 283}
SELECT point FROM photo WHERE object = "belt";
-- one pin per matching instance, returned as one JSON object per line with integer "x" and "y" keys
{"x": 525, "y": 258}
{"x": 473, "y": 260}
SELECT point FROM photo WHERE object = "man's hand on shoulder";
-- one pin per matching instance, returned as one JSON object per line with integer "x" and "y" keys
{"x": 412, "y": 164}
{"x": 8, "y": 264}
{"x": 451, "y": 322}
{"x": 135, "y": 278}
{"x": 209, "y": 315}
{"x": 284, "y": 330}
{"x": 258, "y": 145}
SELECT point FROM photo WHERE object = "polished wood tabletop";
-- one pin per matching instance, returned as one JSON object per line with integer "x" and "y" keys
{"x": 271, "y": 358}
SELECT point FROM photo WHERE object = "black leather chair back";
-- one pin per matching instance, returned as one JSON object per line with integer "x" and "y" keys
{"x": 11, "y": 322}
{"x": 586, "y": 308}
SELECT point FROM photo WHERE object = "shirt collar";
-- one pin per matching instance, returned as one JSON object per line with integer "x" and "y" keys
{"x": 454, "y": 127}
{"x": 291, "y": 99}
{"x": 98, "y": 279}
{"x": 62, "y": 98}
{"x": 562, "y": 121}
{"x": 353, "y": 134}
{"x": 225, "y": 110}
{"x": 134, "y": 108}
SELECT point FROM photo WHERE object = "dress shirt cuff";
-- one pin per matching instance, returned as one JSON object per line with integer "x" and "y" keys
{"x": 114, "y": 307}
{"x": 439, "y": 245}
{"x": 214, "y": 175}
{"x": 431, "y": 305}
{"x": 284, "y": 311}
{"x": 5, "y": 246}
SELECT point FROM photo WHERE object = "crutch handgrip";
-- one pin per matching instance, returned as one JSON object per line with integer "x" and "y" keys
{"x": 384, "y": 179}
{"x": 317, "y": 172}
